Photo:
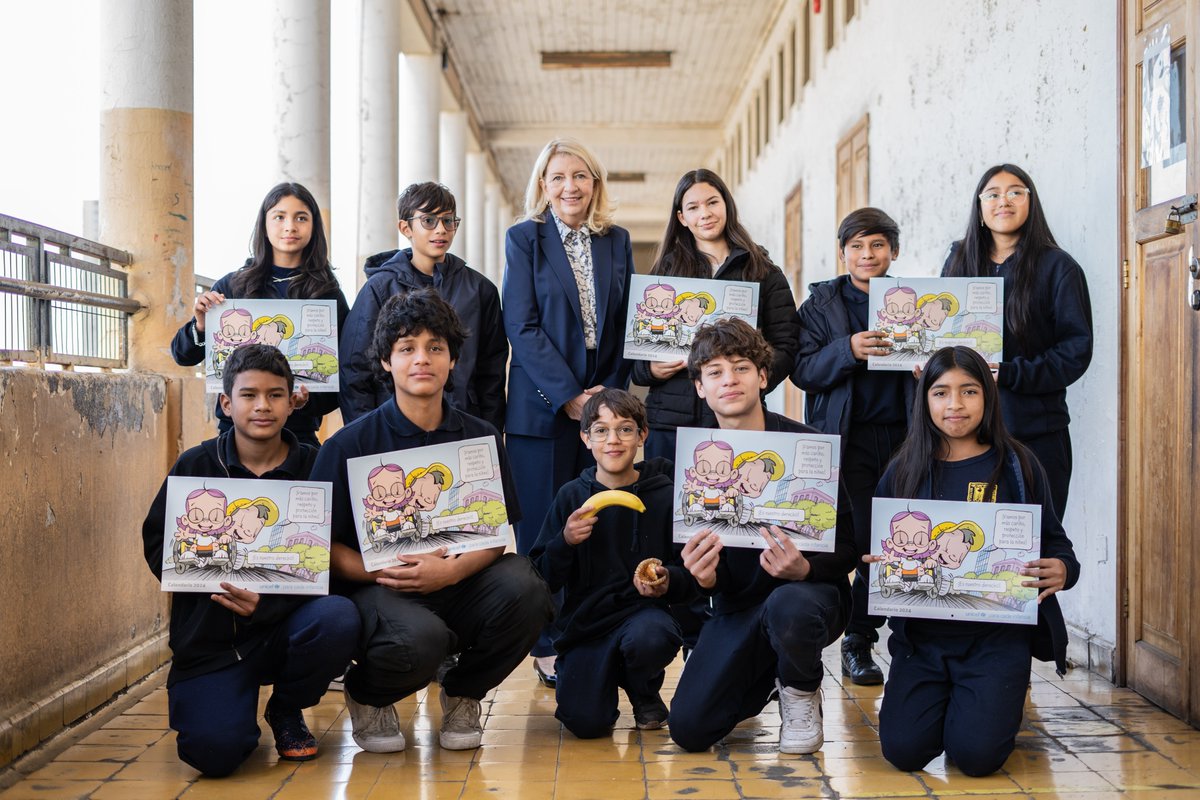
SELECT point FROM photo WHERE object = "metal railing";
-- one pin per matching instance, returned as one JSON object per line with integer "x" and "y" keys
{"x": 63, "y": 298}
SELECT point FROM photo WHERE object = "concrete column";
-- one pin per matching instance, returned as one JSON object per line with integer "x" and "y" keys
{"x": 146, "y": 166}
{"x": 452, "y": 164}
{"x": 472, "y": 211}
{"x": 420, "y": 77}
{"x": 378, "y": 170}
{"x": 300, "y": 39}
{"x": 491, "y": 231}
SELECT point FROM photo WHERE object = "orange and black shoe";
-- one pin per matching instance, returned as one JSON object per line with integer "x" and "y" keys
{"x": 293, "y": 740}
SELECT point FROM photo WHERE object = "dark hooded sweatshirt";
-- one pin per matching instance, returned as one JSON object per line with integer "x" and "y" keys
{"x": 597, "y": 575}
{"x": 205, "y": 636}
{"x": 476, "y": 384}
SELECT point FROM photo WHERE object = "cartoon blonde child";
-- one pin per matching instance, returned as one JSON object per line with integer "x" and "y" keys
{"x": 709, "y": 484}
{"x": 250, "y": 517}
{"x": 426, "y": 484}
{"x": 756, "y": 470}
{"x": 898, "y": 316}
{"x": 236, "y": 329}
{"x": 203, "y": 525}
{"x": 383, "y": 507}
{"x": 935, "y": 309}
{"x": 273, "y": 330}
{"x": 954, "y": 541}
{"x": 908, "y": 551}
{"x": 693, "y": 306}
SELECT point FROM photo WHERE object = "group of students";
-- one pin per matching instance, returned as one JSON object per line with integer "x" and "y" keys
{"x": 422, "y": 359}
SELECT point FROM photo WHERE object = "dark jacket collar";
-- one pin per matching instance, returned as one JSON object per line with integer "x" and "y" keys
{"x": 399, "y": 264}
{"x": 451, "y": 419}
{"x": 223, "y": 450}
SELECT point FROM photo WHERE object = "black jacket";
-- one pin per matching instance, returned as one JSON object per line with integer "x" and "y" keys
{"x": 597, "y": 575}
{"x": 205, "y": 636}
{"x": 304, "y": 420}
{"x": 1050, "y": 638}
{"x": 673, "y": 403}
{"x": 1033, "y": 378}
{"x": 825, "y": 364}
{"x": 478, "y": 376}
{"x": 741, "y": 581}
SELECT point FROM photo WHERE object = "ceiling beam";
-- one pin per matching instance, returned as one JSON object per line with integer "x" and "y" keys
{"x": 701, "y": 137}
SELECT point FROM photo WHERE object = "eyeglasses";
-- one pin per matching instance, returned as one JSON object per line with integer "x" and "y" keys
{"x": 1014, "y": 196}
{"x": 430, "y": 222}
{"x": 599, "y": 433}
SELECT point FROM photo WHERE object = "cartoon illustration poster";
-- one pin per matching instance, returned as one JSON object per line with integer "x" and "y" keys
{"x": 953, "y": 560}
{"x": 271, "y": 537}
{"x": 418, "y": 500}
{"x": 665, "y": 313}
{"x": 923, "y": 315}
{"x": 735, "y": 482}
{"x": 304, "y": 330}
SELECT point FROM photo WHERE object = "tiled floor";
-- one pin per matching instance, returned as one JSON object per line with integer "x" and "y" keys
{"x": 1082, "y": 738}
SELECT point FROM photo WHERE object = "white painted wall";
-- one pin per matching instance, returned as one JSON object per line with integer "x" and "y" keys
{"x": 952, "y": 88}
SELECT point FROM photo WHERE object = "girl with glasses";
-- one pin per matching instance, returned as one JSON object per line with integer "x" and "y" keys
{"x": 1047, "y": 315}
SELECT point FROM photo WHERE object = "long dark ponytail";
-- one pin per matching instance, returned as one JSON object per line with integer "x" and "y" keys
{"x": 972, "y": 257}
{"x": 678, "y": 255}
{"x": 314, "y": 277}
{"x": 919, "y": 459}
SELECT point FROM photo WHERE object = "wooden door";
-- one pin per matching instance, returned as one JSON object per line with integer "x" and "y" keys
{"x": 852, "y": 173}
{"x": 793, "y": 259}
{"x": 1160, "y": 349}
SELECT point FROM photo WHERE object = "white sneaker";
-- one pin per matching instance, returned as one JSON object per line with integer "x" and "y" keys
{"x": 461, "y": 729}
{"x": 376, "y": 728}
{"x": 802, "y": 730}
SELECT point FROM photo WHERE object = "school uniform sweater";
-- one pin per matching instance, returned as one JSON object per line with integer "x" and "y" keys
{"x": 476, "y": 384}
{"x": 1049, "y": 640}
{"x": 673, "y": 403}
{"x": 303, "y": 421}
{"x": 596, "y": 576}
{"x": 204, "y": 636}
{"x": 741, "y": 581}
{"x": 1034, "y": 376}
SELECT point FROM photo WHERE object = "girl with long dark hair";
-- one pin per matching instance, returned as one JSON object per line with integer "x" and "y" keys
{"x": 289, "y": 260}
{"x": 959, "y": 686}
{"x": 1047, "y": 314}
{"x": 704, "y": 239}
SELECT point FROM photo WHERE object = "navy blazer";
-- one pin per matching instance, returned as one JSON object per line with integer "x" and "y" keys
{"x": 545, "y": 325}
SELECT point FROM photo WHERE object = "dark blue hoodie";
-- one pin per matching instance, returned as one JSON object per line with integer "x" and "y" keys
{"x": 477, "y": 381}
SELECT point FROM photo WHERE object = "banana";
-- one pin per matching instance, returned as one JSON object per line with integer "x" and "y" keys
{"x": 614, "y": 497}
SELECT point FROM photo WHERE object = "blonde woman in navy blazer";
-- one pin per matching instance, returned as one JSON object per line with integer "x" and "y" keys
{"x": 562, "y": 352}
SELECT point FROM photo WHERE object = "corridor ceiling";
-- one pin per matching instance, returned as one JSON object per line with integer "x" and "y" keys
{"x": 660, "y": 121}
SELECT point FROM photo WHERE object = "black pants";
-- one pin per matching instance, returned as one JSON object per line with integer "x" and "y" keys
{"x": 633, "y": 657}
{"x": 866, "y": 454}
{"x": 731, "y": 673}
{"x": 489, "y": 619}
{"x": 1053, "y": 451}
{"x": 964, "y": 695}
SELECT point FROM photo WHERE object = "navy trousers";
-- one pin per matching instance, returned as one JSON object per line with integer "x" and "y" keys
{"x": 1053, "y": 450}
{"x": 216, "y": 715}
{"x": 730, "y": 675}
{"x": 633, "y": 657}
{"x": 489, "y": 619}
{"x": 961, "y": 694}
{"x": 660, "y": 444}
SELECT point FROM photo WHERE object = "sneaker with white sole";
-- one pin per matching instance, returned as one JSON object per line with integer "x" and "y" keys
{"x": 376, "y": 728}
{"x": 802, "y": 730}
{"x": 461, "y": 728}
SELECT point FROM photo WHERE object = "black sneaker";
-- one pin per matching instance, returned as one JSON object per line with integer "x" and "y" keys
{"x": 293, "y": 740}
{"x": 649, "y": 714}
{"x": 857, "y": 664}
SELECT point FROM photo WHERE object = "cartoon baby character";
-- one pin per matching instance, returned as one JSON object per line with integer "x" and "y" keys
{"x": 273, "y": 330}
{"x": 204, "y": 523}
{"x": 898, "y": 316}
{"x": 250, "y": 517}
{"x": 756, "y": 470}
{"x": 236, "y": 329}
{"x": 693, "y": 306}
{"x": 710, "y": 484}
{"x": 909, "y": 549}
{"x": 655, "y": 313}
{"x": 383, "y": 507}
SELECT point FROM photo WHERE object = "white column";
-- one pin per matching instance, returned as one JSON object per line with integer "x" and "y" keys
{"x": 420, "y": 109}
{"x": 472, "y": 211}
{"x": 452, "y": 164}
{"x": 377, "y": 128}
{"x": 300, "y": 38}
{"x": 491, "y": 231}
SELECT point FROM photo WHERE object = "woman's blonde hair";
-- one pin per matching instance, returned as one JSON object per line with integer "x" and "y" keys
{"x": 599, "y": 213}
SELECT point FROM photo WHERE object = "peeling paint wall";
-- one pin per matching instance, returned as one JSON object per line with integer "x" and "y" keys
{"x": 952, "y": 88}
{"x": 81, "y": 457}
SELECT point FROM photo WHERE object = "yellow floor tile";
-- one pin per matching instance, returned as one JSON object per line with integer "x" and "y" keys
{"x": 898, "y": 784}
{"x": 139, "y": 790}
{"x": 586, "y": 790}
{"x": 688, "y": 771}
{"x": 692, "y": 790}
{"x": 515, "y": 790}
{"x": 76, "y": 771}
{"x": 102, "y": 752}
{"x": 50, "y": 790}
{"x": 798, "y": 788}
